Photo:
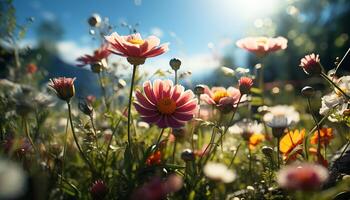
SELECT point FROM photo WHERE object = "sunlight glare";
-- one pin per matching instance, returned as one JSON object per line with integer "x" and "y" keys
{"x": 256, "y": 8}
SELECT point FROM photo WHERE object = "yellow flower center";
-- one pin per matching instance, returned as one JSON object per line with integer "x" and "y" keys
{"x": 261, "y": 41}
{"x": 136, "y": 41}
{"x": 219, "y": 95}
{"x": 166, "y": 106}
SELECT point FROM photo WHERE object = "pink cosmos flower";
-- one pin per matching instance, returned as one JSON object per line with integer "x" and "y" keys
{"x": 135, "y": 48}
{"x": 224, "y": 99}
{"x": 165, "y": 104}
{"x": 302, "y": 177}
{"x": 262, "y": 45}
{"x": 245, "y": 83}
{"x": 311, "y": 64}
{"x": 98, "y": 55}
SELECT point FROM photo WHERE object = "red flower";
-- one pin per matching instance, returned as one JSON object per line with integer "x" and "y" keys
{"x": 98, "y": 190}
{"x": 154, "y": 159}
{"x": 32, "y": 68}
{"x": 311, "y": 64}
{"x": 98, "y": 56}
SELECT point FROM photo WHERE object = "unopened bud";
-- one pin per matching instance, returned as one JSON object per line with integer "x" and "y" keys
{"x": 308, "y": 91}
{"x": 175, "y": 64}
{"x": 187, "y": 155}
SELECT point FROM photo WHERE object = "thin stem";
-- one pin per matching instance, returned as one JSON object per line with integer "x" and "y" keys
{"x": 250, "y": 160}
{"x": 129, "y": 105}
{"x": 341, "y": 61}
{"x": 28, "y": 135}
{"x": 159, "y": 138}
{"x": 174, "y": 150}
{"x": 318, "y": 128}
{"x": 94, "y": 128}
{"x": 335, "y": 85}
{"x": 109, "y": 144}
{"x": 176, "y": 80}
{"x": 234, "y": 156}
{"x": 278, "y": 152}
{"x": 104, "y": 93}
{"x": 64, "y": 150}
{"x": 76, "y": 139}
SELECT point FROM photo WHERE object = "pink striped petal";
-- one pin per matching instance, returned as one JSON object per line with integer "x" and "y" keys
{"x": 152, "y": 119}
{"x": 190, "y": 107}
{"x": 147, "y": 88}
{"x": 144, "y": 111}
{"x": 150, "y": 43}
{"x": 182, "y": 116}
{"x": 156, "y": 51}
{"x": 144, "y": 101}
{"x": 176, "y": 92}
{"x": 185, "y": 97}
{"x": 174, "y": 123}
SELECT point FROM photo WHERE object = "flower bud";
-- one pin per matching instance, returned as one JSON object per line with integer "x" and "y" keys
{"x": 136, "y": 61}
{"x": 86, "y": 108}
{"x": 245, "y": 83}
{"x": 187, "y": 155}
{"x": 175, "y": 64}
{"x": 308, "y": 91}
{"x": 98, "y": 190}
{"x": 63, "y": 87}
{"x": 94, "y": 20}
{"x": 179, "y": 133}
{"x": 121, "y": 83}
{"x": 199, "y": 89}
{"x": 267, "y": 151}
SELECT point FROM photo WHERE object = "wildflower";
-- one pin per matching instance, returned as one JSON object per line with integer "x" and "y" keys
{"x": 326, "y": 134}
{"x": 311, "y": 64}
{"x": 245, "y": 83}
{"x": 255, "y": 140}
{"x": 219, "y": 172}
{"x": 165, "y": 105}
{"x": 97, "y": 60}
{"x": 262, "y": 45}
{"x": 31, "y": 68}
{"x": 175, "y": 64}
{"x": 278, "y": 125}
{"x": 157, "y": 188}
{"x": 63, "y": 87}
{"x": 187, "y": 155}
{"x": 286, "y": 111}
{"x": 302, "y": 177}
{"x": 289, "y": 144}
{"x": 86, "y": 107}
{"x": 12, "y": 180}
{"x": 247, "y": 128}
{"x": 154, "y": 159}
{"x": 334, "y": 103}
{"x": 135, "y": 48}
{"x": 98, "y": 190}
{"x": 94, "y": 20}
{"x": 224, "y": 99}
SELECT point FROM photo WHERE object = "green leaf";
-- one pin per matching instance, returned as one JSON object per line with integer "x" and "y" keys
{"x": 255, "y": 90}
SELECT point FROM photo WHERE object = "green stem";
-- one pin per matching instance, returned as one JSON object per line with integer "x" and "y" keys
{"x": 104, "y": 93}
{"x": 159, "y": 138}
{"x": 109, "y": 144}
{"x": 176, "y": 80}
{"x": 234, "y": 156}
{"x": 318, "y": 128}
{"x": 130, "y": 101}
{"x": 64, "y": 151}
{"x": 28, "y": 135}
{"x": 94, "y": 128}
{"x": 174, "y": 150}
{"x": 76, "y": 139}
{"x": 323, "y": 75}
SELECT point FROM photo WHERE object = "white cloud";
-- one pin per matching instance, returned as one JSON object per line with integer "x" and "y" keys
{"x": 157, "y": 32}
{"x": 69, "y": 51}
{"x": 49, "y": 16}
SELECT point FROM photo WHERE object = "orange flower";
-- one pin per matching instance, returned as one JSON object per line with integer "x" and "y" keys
{"x": 326, "y": 135}
{"x": 290, "y": 142}
{"x": 154, "y": 159}
{"x": 255, "y": 139}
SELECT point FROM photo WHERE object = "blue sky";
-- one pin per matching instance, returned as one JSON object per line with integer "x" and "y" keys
{"x": 194, "y": 28}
